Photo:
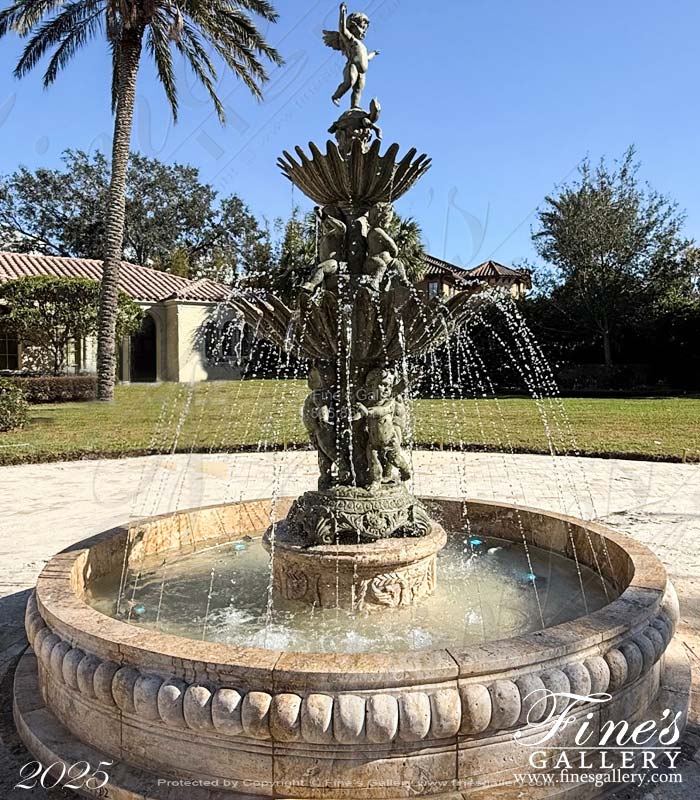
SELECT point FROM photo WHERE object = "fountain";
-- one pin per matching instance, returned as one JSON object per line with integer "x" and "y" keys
{"x": 307, "y": 684}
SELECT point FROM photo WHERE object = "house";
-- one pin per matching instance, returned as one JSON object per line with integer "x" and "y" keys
{"x": 442, "y": 279}
{"x": 516, "y": 281}
{"x": 188, "y": 332}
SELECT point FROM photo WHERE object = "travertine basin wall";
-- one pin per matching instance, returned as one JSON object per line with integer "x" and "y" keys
{"x": 270, "y": 723}
{"x": 374, "y": 576}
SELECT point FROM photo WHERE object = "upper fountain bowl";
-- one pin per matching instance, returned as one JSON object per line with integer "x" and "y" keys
{"x": 388, "y": 325}
{"x": 362, "y": 179}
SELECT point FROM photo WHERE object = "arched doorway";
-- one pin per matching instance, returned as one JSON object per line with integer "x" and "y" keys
{"x": 144, "y": 364}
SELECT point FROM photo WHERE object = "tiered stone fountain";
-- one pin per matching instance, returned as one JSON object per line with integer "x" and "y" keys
{"x": 357, "y": 320}
{"x": 181, "y": 718}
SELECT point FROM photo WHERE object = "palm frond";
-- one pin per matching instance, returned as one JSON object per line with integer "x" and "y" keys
{"x": 116, "y": 47}
{"x": 194, "y": 52}
{"x": 260, "y": 7}
{"x": 71, "y": 44}
{"x": 76, "y": 20}
{"x": 196, "y": 28}
{"x": 158, "y": 44}
{"x": 23, "y": 15}
{"x": 229, "y": 29}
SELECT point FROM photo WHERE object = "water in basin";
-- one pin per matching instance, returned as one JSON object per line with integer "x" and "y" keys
{"x": 487, "y": 589}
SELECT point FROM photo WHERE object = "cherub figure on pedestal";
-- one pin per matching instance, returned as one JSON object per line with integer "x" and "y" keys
{"x": 382, "y": 250}
{"x": 330, "y": 248}
{"x": 384, "y": 436}
{"x": 348, "y": 39}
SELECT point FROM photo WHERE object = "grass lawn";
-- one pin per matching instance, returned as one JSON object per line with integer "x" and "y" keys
{"x": 266, "y": 414}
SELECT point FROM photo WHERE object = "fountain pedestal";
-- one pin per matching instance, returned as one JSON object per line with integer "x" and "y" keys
{"x": 387, "y": 573}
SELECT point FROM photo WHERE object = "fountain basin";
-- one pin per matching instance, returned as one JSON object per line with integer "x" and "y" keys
{"x": 259, "y": 722}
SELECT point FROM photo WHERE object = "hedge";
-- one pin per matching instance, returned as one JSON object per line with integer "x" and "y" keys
{"x": 57, "y": 388}
{"x": 13, "y": 407}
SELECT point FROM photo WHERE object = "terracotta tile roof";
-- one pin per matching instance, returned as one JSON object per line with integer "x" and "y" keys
{"x": 436, "y": 267}
{"x": 492, "y": 269}
{"x": 202, "y": 289}
{"x": 139, "y": 283}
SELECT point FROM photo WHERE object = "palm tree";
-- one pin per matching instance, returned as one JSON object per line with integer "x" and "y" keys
{"x": 186, "y": 26}
{"x": 408, "y": 236}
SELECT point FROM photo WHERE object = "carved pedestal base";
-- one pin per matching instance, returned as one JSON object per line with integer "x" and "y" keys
{"x": 348, "y": 514}
{"x": 382, "y": 574}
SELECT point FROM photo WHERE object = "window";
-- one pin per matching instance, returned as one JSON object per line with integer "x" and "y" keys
{"x": 74, "y": 356}
{"x": 9, "y": 352}
{"x": 433, "y": 289}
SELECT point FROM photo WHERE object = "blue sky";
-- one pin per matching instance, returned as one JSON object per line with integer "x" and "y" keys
{"x": 507, "y": 96}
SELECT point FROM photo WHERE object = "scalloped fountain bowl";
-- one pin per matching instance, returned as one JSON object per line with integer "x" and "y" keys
{"x": 190, "y": 718}
{"x": 366, "y": 177}
{"x": 385, "y": 326}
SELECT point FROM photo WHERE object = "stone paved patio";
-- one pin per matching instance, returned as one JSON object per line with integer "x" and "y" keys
{"x": 47, "y": 507}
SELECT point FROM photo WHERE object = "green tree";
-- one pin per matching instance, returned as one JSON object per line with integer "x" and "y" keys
{"x": 173, "y": 221}
{"x": 51, "y": 314}
{"x": 616, "y": 246}
{"x": 162, "y": 25}
{"x": 57, "y": 212}
{"x": 296, "y": 253}
{"x": 408, "y": 235}
{"x": 233, "y": 244}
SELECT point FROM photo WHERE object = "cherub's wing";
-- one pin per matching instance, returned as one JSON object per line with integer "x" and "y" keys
{"x": 332, "y": 39}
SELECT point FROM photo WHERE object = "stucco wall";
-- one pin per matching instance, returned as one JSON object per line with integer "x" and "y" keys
{"x": 186, "y": 324}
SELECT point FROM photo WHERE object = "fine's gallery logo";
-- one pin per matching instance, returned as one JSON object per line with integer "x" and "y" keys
{"x": 568, "y": 741}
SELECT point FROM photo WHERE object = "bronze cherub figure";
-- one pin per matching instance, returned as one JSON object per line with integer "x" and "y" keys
{"x": 348, "y": 39}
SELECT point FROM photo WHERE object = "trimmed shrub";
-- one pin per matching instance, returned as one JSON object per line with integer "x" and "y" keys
{"x": 57, "y": 388}
{"x": 14, "y": 410}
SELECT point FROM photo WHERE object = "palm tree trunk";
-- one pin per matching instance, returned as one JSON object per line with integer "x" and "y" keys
{"x": 114, "y": 228}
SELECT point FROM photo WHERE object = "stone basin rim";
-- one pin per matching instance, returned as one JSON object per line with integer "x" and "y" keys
{"x": 62, "y": 608}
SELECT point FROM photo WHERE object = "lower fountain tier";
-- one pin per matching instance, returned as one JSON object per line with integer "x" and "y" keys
{"x": 184, "y": 719}
{"x": 387, "y": 573}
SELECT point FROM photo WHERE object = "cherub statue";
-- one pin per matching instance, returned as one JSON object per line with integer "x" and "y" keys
{"x": 401, "y": 428}
{"x": 382, "y": 250}
{"x": 384, "y": 445}
{"x": 330, "y": 248}
{"x": 317, "y": 418}
{"x": 348, "y": 39}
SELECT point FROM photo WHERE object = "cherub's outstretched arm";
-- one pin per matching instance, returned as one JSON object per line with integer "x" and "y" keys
{"x": 376, "y": 412}
{"x": 343, "y": 24}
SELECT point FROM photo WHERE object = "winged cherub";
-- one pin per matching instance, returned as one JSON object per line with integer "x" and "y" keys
{"x": 348, "y": 40}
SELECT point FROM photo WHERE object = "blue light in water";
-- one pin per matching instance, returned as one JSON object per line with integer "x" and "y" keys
{"x": 531, "y": 577}
{"x": 139, "y": 610}
{"x": 474, "y": 542}
{"x": 240, "y": 546}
